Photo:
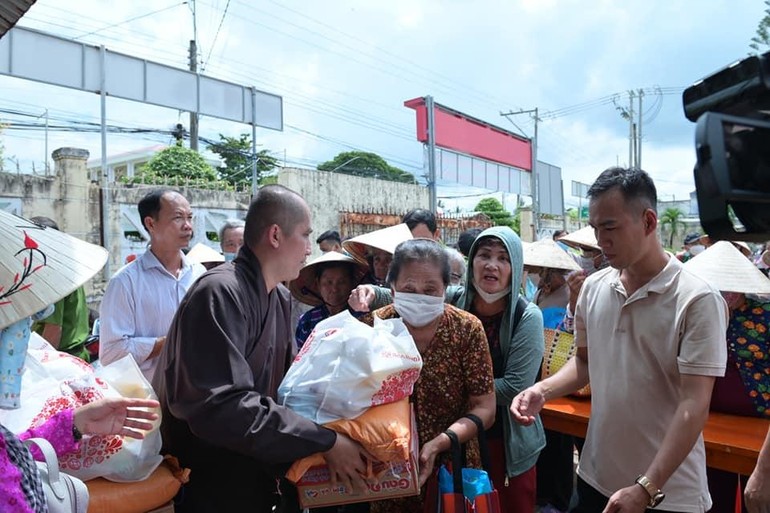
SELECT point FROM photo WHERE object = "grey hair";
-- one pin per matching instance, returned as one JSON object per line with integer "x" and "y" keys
{"x": 456, "y": 256}
{"x": 229, "y": 225}
{"x": 419, "y": 250}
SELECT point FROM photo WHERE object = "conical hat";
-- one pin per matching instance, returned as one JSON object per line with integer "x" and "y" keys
{"x": 385, "y": 239}
{"x": 203, "y": 254}
{"x": 39, "y": 266}
{"x": 582, "y": 238}
{"x": 726, "y": 268}
{"x": 305, "y": 288}
{"x": 546, "y": 253}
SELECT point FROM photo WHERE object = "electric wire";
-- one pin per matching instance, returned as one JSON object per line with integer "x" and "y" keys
{"x": 216, "y": 35}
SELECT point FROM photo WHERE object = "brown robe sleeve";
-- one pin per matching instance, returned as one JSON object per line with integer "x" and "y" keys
{"x": 226, "y": 352}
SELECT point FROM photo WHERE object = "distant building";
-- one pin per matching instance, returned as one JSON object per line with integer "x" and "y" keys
{"x": 126, "y": 164}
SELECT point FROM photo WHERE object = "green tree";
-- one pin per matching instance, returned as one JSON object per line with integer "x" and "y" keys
{"x": 237, "y": 157}
{"x": 370, "y": 165}
{"x": 761, "y": 41}
{"x": 496, "y": 212}
{"x": 177, "y": 165}
{"x": 671, "y": 219}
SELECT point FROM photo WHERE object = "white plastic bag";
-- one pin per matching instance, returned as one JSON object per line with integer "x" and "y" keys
{"x": 55, "y": 381}
{"x": 346, "y": 366}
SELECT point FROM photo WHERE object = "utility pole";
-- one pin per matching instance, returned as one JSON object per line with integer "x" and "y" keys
{"x": 431, "y": 154}
{"x": 640, "y": 93}
{"x": 46, "y": 167}
{"x": 533, "y": 178}
{"x": 194, "y": 68}
{"x": 194, "y": 115}
{"x": 630, "y": 128}
{"x": 633, "y": 140}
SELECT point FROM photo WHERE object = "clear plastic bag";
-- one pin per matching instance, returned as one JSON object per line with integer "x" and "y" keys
{"x": 346, "y": 366}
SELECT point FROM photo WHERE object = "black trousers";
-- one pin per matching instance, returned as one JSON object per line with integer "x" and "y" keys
{"x": 591, "y": 500}
{"x": 556, "y": 470}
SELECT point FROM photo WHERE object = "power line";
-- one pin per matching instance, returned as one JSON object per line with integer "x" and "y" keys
{"x": 177, "y": 4}
{"x": 216, "y": 35}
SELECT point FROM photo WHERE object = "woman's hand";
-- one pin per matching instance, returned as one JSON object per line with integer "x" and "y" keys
{"x": 116, "y": 416}
{"x": 360, "y": 298}
{"x": 428, "y": 454}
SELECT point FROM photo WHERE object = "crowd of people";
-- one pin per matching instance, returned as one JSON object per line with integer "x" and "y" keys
{"x": 654, "y": 333}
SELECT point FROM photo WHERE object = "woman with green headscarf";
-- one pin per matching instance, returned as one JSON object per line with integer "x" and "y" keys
{"x": 514, "y": 332}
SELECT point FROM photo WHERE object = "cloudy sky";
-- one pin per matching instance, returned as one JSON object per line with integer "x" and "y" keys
{"x": 345, "y": 67}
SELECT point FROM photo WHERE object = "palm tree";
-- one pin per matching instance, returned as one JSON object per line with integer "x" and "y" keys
{"x": 672, "y": 218}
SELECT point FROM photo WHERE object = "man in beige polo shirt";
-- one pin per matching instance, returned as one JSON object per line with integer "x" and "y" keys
{"x": 652, "y": 337}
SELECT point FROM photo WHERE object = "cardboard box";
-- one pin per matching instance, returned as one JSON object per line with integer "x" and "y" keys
{"x": 394, "y": 479}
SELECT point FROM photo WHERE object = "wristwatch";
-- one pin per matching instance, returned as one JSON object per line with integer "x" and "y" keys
{"x": 656, "y": 496}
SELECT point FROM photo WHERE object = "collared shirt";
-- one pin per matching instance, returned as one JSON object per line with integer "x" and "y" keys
{"x": 639, "y": 346}
{"x": 137, "y": 308}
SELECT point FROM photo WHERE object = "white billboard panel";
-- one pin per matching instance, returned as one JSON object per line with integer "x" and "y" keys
{"x": 50, "y": 59}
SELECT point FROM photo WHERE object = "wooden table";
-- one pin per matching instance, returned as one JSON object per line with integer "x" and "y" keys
{"x": 732, "y": 442}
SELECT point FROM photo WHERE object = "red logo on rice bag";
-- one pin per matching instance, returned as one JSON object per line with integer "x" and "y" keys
{"x": 396, "y": 386}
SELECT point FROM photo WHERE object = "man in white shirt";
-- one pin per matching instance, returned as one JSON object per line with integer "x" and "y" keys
{"x": 652, "y": 337}
{"x": 142, "y": 297}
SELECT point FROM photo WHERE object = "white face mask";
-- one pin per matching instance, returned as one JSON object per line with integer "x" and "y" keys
{"x": 418, "y": 310}
{"x": 229, "y": 257}
{"x": 491, "y": 298}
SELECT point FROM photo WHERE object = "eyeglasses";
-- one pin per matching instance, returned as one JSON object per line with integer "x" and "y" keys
{"x": 456, "y": 276}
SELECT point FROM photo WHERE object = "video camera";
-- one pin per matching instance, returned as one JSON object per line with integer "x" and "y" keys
{"x": 732, "y": 143}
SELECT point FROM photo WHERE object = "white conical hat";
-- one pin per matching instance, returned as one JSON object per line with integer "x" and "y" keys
{"x": 583, "y": 237}
{"x": 727, "y": 269}
{"x": 203, "y": 254}
{"x": 546, "y": 253}
{"x": 305, "y": 287}
{"x": 385, "y": 239}
{"x": 39, "y": 266}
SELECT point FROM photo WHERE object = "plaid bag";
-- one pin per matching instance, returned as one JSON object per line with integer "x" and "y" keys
{"x": 559, "y": 347}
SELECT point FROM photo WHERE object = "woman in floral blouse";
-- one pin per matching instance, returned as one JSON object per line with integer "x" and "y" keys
{"x": 456, "y": 377}
{"x": 20, "y": 487}
{"x": 745, "y": 388}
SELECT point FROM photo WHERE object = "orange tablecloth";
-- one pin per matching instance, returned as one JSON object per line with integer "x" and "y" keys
{"x": 732, "y": 442}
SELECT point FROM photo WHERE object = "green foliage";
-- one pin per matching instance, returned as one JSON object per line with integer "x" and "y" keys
{"x": 370, "y": 165}
{"x": 497, "y": 213}
{"x": 761, "y": 41}
{"x": 177, "y": 166}
{"x": 672, "y": 220}
{"x": 237, "y": 157}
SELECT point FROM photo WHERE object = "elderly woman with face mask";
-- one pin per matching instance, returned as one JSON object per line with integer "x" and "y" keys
{"x": 514, "y": 331}
{"x": 456, "y": 377}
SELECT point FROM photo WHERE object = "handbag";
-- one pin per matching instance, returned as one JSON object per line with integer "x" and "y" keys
{"x": 559, "y": 348}
{"x": 63, "y": 492}
{"x": 471, "y": 489}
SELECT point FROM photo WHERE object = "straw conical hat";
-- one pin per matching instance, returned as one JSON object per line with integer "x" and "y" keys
{"x": 39, "y": 266}
{"x": 727, "y": 269}
{"x": 546, "y": 253}
{"x": 385, "y": 239}
{"x": 202, "y": 254}
{"x": 582, "y": 238}
{"x": 305, "y": 288}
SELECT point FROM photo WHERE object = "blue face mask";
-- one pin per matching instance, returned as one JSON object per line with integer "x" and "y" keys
{"x": 229, "y": 257}
{"x": 14, "y": 340}
{"x": 530, "y": 288}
